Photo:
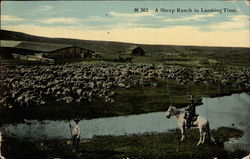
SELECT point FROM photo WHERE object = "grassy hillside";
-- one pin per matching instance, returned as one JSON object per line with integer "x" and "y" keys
{"x": 166, "y": 54}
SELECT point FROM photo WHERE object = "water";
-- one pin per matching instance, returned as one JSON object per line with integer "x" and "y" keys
{"x": 228, "y": 111}
{"x": 133, "y": 124}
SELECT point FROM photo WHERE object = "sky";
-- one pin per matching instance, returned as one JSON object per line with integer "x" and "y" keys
{"x": 125, "y": 21}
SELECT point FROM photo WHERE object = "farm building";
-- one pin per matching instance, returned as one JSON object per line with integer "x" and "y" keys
{"x": 135, "y": 50}
{"x": 53, "y": 51}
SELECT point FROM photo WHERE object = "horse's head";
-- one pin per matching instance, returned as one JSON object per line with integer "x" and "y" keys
{"x": 170, "y": 111}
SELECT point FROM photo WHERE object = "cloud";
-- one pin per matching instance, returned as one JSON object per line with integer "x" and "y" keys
{"x": 59, "y": 20}
{"x": 45, "y": 8}
{"x": 75, "y": 20}
{"x": 177, "y": 35}
{"x": 132, "y": 15}
{"x": 235, "y": 22}
{"x": 199, "y": 17}
{"x": 130, "y": 25}
{"x": 247, "y": 2}
{"x": 11, "y": 18}
{"x": 96, "y": 19}
{"x": 240, "y": 18}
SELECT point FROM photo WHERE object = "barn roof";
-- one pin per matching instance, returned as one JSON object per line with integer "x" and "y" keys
{"x": 9, "y": 43}
{"x": 43, "y": 47}
{"x": 40, "y": 47}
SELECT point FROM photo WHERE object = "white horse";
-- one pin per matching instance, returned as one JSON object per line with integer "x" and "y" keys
{"x": 201, "y": 123}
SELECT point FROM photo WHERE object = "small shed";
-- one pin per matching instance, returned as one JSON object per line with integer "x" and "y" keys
{"x": 136, "y": 51}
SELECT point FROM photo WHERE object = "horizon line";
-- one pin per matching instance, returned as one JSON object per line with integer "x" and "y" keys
{"x": 132, "y": 43}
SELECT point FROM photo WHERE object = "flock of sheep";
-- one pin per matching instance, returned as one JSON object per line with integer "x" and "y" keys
{"x": 87, "y": 81}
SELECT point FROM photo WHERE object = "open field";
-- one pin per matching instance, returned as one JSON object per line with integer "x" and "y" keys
{"x": 148, "y": 146}
{"x": 101, "y": 89}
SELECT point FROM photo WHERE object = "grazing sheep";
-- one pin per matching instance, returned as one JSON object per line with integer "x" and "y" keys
{"x": 35, "y": 85}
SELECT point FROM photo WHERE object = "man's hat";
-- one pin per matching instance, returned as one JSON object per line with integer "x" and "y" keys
{"x": 76, "y": 120}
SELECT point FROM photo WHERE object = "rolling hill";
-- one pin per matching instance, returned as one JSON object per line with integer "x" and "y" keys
{"x": 110, "y": 49}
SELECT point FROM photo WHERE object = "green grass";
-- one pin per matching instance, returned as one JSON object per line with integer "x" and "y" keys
{"x": 136, "y": 100}
{"x": 145, "y": 146}
{"x": 224, "y": 133}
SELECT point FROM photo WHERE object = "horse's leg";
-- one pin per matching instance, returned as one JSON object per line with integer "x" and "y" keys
{"x": 204, "y": 137}
{"x": 183, "y": 132}
{"x": 201, "y": 132}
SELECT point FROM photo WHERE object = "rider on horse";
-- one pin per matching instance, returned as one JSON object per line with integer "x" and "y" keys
{"x": 191, "y": 112}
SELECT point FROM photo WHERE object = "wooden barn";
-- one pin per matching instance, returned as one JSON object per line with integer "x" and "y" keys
{"x": 8, "y": 48}
{"x": 136, "y": 51}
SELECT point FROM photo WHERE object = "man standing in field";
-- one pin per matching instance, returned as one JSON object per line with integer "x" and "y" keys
{"x": 76, "y": 131}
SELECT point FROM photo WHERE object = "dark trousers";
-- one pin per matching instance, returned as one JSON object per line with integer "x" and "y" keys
{"x": 189, "y": 120}
{"x": 75, "y": 142}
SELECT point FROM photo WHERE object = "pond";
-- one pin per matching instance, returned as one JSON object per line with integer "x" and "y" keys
{"x": 227, "y": 111}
